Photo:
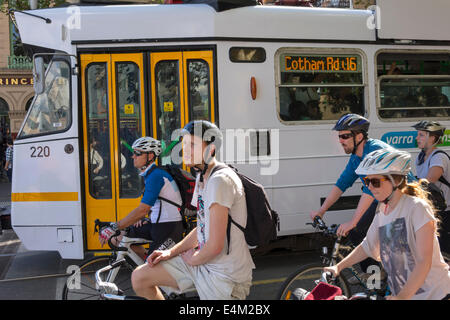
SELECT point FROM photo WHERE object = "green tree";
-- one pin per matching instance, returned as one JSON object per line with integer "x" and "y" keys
{"x": 5, "y": 5}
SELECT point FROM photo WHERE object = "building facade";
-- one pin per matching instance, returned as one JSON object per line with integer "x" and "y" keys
{"x": 16, "y": 79}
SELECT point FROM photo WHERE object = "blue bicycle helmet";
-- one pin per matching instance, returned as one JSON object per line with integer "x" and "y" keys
{"x": 352, "y": 122}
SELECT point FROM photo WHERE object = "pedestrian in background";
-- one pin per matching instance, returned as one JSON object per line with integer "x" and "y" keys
{"x": 9, "y": 158}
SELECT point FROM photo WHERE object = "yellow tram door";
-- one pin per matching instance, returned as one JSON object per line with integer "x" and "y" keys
{"x": 113, "y": 117}
{"x": 182, "y": 90}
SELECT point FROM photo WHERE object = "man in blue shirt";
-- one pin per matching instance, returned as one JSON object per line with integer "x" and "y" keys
{"x": 164, "y": 226}
{"x": 353, "y": 137}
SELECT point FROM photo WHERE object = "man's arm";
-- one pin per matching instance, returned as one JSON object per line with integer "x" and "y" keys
{"x": 216, "y": 241}
{"x": 364, "y": 203}
{"x": 332, "y": 197}
{"x": 134, "y": 216}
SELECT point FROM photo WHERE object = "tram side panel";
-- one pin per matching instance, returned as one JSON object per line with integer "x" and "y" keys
{"x": 46, "y": 202}
{"x": 307, "y": 159}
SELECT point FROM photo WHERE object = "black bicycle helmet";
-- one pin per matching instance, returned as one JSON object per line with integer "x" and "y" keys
{"x": 209, "y": 133}
{"x": 206, "y": 130}
{"x": 353, "y": 122}
{"x": 430, "y": 126}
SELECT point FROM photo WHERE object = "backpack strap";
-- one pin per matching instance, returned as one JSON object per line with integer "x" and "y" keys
{"x": 230, "y": 219}
{"x": 441, "y": 178}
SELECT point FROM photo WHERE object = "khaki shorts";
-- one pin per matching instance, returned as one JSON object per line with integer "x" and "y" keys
{"x": 209, "y": 286}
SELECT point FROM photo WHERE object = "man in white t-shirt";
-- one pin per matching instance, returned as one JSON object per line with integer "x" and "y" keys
{"x": 434, "y": 165}
{"x": 204, "y": 260}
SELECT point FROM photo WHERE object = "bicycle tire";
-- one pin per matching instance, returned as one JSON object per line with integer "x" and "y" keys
{"x": 305, "y": 278}
{"x": 86, "y": 289}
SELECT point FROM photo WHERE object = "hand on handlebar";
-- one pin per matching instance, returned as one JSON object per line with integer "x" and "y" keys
{"x": 313, "y": 214}
{"x": 106, "y": 233}
{"x": 345, "y": 228}
{"x": 333, "y": 269}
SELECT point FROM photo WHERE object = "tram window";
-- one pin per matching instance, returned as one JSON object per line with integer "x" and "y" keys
{"x": 413, "y": 85}
{"x": 199, "y": 90}
{"x": 167, "y": 102}
{"x": 97, "y": 106}
{"x": 314, "y": 87}
{"x": 245, "y": 54}
{"x": 51, "y": 110}
{"x": 129, "y": 122}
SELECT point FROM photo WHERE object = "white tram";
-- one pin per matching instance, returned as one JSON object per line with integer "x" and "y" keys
{"x": 274, "y": 78}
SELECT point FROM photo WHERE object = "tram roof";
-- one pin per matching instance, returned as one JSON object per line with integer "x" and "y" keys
{"x": 140, "y": 23}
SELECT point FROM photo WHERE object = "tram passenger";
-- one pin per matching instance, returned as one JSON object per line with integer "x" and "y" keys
{"x": 164, "y": 226}
{"x": 201, "y": 260}
{"x": 403, "y": 235}
{"x": 353, "y": 137}
{"x": 434, "y": 165}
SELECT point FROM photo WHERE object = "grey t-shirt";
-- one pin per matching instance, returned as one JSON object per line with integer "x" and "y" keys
{"x": 436, "y": 160}
{"x": 391, "y": 239}
{"x": 225, "y": 188}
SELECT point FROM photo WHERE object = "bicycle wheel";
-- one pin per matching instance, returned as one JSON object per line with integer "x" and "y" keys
{"x": 82, "y": 287}
{"x": 305, "y": 278}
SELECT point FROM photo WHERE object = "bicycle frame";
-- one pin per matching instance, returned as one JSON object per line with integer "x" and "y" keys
{"x": 123, "y": 251}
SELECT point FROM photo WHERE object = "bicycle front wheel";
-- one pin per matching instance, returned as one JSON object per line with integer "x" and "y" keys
{"x": 82, "y": 285}
{"x": 307, "y": 277}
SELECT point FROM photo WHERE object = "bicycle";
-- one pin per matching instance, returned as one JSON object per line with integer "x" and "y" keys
{"x": 82, "y": 285}
{"x": 87, "y": 282}
{"x": 307, "y": 277}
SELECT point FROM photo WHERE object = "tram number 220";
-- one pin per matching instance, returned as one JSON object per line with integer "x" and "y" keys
{"x": 40, "y": 152}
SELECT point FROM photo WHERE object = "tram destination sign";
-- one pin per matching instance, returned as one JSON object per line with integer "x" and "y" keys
{"x": 320, "y": 63}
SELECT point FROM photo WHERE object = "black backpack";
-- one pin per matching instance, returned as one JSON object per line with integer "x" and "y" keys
{"x": 262, "y": 221}
{"x": 435, "y": 195}
{"x": 186, "y": 184}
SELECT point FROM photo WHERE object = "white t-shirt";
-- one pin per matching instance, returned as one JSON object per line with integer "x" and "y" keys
{"x": 225, "y": 188}
{"x": 436, "y": 160}
{"x": 391, "y": 239}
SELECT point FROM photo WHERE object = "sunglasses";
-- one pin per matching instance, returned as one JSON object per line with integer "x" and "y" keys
{"x": 345, "y": 136}
{"x": 138, "y": 153}
{"x": 376, "y": 182}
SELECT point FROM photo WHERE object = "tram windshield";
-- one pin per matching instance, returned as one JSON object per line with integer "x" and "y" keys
{"x": 50, "y": 110}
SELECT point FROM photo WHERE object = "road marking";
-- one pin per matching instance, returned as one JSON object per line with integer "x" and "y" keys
{"x": 277, "y": 280}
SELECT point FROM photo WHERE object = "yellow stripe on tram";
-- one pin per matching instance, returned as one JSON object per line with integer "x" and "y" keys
{"x": 44, "y": 196}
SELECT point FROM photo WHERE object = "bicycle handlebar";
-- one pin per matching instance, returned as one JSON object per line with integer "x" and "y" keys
{"x": 318, "y": 223}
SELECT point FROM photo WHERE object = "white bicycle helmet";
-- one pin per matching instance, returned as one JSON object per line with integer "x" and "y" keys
{"x": 147, "y": 144}
{"x": 385, "y": 162}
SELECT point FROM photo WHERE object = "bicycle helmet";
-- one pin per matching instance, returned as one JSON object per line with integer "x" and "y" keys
{"x": 209, "y": 133}
{"x": 206, "y": 130}
{"x": 147, "y": 144}
{"x": 353, "y": 122}
{"x": 385, "y": 162}
{"x": 430, "y": 126}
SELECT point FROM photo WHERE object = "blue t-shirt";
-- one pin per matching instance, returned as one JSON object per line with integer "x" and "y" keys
{"x": 159, "y": 182}
{"x": 348, "y": 176}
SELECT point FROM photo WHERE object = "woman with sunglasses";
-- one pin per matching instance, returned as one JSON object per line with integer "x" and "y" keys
{"x": 164, "y": 226}
{"x": 403, "y": 234}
